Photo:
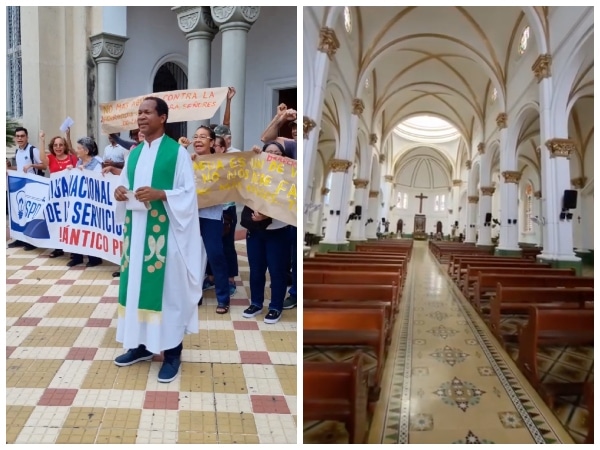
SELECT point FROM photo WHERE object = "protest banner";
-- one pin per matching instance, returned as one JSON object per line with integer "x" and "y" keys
{"x": 75, "y": 210}
{"x": 184, "y": 105}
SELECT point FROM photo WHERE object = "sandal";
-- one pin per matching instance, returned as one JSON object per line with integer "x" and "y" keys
{"x": 56, "y": 253}
{"x": 222, "y": 309}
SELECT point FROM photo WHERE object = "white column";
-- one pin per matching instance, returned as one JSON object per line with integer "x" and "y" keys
{"x": 328, "y": 45}
{"x": 456, "y": 184}
{"x": 340, "y": 184}
{"x": 485, "y": 206}
{"x": 473, "y": 200}
{"x": 200, "y": 30}
{"x": 360, "y": 199}
{"x": 509, "y": 232}
{"x": 234, "y": 22}
{"x": 320, "y": 212}
{"x": 107, "y": 49}
{"x": 387, "y": 189}
{"x": 537, "y": 207}
{"x": 371, "y": 228}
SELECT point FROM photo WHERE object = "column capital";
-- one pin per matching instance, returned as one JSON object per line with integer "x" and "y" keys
{"x": 196, "y": 21}
{"x": 339, "y": 165}
{"x": 389, "y": 178}
{"x": 360, "y": 183}
{"x": 381, "y": 158}
{"x": 328, "y": 42}
{"x": 473, "y": 199}
{"x": 308, "y": 124}
{"x": 541, "y": 67}
{"x": 511, "y": 176}
{"x": 357, "y": 106}
{"x": 468, "y": 164}
{"x": 487, "y": 190}
{"x": 481, "y": 148}
{"x": 457, "y": 182}
{"x": 579, "y": 182}
{"x": 372, "y": 139}
{"x": 107, "y": 47}
{"x": 234, "y": 17}
{"x": 324, "y": 191}
{"x": 537, "y": 194}
{"x": 501, "y": 120}
{"x": 560, "y": 147}
{"x": 373, "y": 194}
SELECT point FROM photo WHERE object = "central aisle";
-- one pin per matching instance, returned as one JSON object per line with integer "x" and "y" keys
{"x": 447, "y": 380}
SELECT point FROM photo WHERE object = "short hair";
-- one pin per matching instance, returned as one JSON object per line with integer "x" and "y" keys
{"x": 21, "y": 129}
{"x": 161, "y": 106}
{"x": 89, "y": 144}
{"x": 51, "y": 144}
{"x": 211, "y": 133}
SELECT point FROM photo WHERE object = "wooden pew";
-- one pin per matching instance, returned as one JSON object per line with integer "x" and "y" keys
{"x": 486, "y": 282}
{"x": 455, "y": 261}
{"x": 338, "y": 391}
{"x": 355, "y": 266}
{"x": 360, "y": 327}
{"x": 519, "y": 300}
{"x": 547, "y": 328}
{"x": 339, "y": 259}
{"x": 467, "y": 277}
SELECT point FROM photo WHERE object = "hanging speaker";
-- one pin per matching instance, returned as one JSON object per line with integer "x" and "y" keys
{"x": 456, "y": 223}
{"x": 570, "y": 199}
{"x": 488, "y": 217}
{"x": 358, "y": 210}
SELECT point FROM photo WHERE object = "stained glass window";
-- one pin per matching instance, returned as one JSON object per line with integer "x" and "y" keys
{"x": 524, "y": 40}
{"x": 347, "y": 19}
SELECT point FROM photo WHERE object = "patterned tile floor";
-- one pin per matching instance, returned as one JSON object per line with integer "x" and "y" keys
{"x": 447, "y": 380}
{"x": 237, "y": 384}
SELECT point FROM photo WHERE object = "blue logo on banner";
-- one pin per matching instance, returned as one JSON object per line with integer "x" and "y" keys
{"x": 24, "y": 209}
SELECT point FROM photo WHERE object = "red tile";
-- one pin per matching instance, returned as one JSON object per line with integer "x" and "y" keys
{"x": 109, "y": 300}
{"x": 239, "y": 302}
{"x": 58, "y": 397}
{"x": 269, "y": 404}
{"x": 9, "y": 351}
{"x": 65, "y": 281}
{"x": 81, "y": 353}
{"x": 102, "y": 323}
{"x": 27, "y": 322}
{"x": 240, "y": 234}
{"x": 12, "y": 281}
{"x": 115, "y": 282}
{"x": 245, "y": 325}
{"x": 30, "y": 268}
{"x": 48, "y": 299}
{"x": 79, "y": 267}
{"x": 239, "y": 283}
{"x": 161, "y": 400}
{"x": 248, "y": 357}
{"x": 240, "y": 253}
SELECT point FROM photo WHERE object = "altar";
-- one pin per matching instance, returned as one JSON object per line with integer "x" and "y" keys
{"x": 419, "y": 232}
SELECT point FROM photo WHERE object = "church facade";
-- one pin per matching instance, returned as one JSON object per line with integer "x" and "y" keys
{"x": 65, "y": 61}
{"x": 480, "y": 119}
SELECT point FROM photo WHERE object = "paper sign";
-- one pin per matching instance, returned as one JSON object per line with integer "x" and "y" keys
{"x": 68, "y": 123}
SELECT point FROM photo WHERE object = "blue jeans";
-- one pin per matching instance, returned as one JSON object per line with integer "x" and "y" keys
{"x": 293, "y": 246}
{"x": 268, "y": 249}
{"x": 211, "y": 231}
{"x": 229, "y": 243}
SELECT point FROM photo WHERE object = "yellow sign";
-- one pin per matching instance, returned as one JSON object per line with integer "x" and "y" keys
{"x": 185, "y": 105}
{"x": 264, "y": 182}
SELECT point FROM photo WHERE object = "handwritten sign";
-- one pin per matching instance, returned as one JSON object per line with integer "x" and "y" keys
{"x": 264, "y": 182}
{"x": 184, "y": 105}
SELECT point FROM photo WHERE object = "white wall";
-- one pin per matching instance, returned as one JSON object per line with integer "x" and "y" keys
{"x": 271, "y": 55}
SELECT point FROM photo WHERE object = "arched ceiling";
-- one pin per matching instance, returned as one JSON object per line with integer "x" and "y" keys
{"x": 423, "y": 168}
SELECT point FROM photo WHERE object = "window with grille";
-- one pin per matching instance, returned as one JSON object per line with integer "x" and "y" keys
{"x": 14, "y": 80}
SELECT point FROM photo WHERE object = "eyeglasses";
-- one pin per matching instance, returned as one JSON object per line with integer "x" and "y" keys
{"x": 202, "y": 137}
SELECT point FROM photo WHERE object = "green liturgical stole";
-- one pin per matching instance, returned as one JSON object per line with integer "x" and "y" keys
{"x": 156, "y": 238}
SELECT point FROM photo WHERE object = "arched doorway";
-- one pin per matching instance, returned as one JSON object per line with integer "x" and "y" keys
{"x": 171, "y": 77}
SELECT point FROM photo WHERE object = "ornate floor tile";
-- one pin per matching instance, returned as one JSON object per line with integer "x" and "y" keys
{"x": 471, "y": 438}
{"x": 510, "y": 419}
{"x": 460, "y": 393}
{"x": 442, "y": 332}
{"x": 421, "y": 422}
{"x": 449, "y": 355}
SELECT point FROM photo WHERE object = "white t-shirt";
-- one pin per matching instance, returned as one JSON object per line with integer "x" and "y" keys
{"x": 114, "y": 153}
{"x": 22, "y": 158}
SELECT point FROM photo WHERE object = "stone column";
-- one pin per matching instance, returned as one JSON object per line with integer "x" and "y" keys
{"x": 579, "y": 216}
{"x": 509, "y": 230}
{"x": 308, "y": 126}
{"x": 485, "y": 206}
{"x": 321, "y": 211}
{"x": 537, "y": 208}
{"x": 473, "y": 200}
{"x": 328, "y": 45}
{"x": 234, "y": 22}
{"x": 199, "y": 28}
{"x": 384, "y": 211}
{"x": 107, "y": 49}
{"x": 372, "y": 214}
{"x": 360, "y": 199}
{"x": 334, "y": 234}
{"x": 456, "y": 184}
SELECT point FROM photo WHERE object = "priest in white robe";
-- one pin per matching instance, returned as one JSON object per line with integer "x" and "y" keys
{"x": 163, "y": 255}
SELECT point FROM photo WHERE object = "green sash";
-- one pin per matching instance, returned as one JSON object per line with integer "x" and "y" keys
{"x": 157, "y": 233}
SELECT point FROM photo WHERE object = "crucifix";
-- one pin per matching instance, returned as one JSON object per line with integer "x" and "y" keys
{"x": 421, "y": 197}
